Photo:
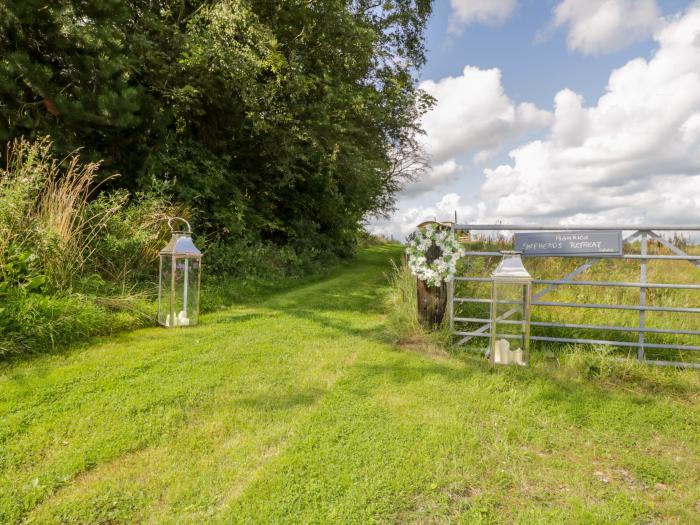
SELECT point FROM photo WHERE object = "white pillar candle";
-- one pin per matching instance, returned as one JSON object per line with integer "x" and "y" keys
{"x": 518, "y": 357}
{"x": 501, "y": 352}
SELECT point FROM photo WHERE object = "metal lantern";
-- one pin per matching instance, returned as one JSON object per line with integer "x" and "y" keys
{"x": 511, "y": 285}
{"x": 179, "y": 278}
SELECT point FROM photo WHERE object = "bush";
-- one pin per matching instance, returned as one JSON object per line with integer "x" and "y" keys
{"x": 248, "y": 269}
{"x": 72, "y": 263}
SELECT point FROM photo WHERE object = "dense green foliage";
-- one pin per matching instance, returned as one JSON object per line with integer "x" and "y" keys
{"x": 286, "y": 122}
{"x": 296, "y": 409}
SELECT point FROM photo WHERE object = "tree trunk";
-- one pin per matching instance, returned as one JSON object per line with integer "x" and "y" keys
{"x": 432, "y": 302}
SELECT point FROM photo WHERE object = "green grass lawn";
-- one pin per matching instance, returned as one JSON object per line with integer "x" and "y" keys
{"x": 298, "y": 409}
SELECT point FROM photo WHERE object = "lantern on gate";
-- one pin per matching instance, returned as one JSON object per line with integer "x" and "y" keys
{"x": 179, "y": 278}
{"x": 511, "y": 285}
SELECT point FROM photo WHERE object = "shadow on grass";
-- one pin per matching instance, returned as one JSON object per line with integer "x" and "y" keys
{"x": 224, "y": 318}
{"x": 283, "y": 401}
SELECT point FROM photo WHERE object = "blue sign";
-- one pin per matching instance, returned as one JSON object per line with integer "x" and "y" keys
{"x": 571, "y": 243}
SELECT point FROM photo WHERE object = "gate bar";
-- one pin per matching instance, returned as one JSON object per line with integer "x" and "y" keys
{"x": 568, "y": 227}
{"x": 642, "y": 296}
{"x": 623, "y": 285}
{"x": 620, "y": 307}
{"x": 543, "y": 324}
{"x": 595, "y": 283}
{"x": 640, "y": 308}
{"x": 679, "y": 364}
{"x": 598, "y": 255}
{"x": 603, "y": 342}
{"x": 611, "y": 343}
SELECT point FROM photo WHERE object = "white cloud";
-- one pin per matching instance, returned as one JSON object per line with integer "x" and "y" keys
{"x": 602, "y": 26}
{"x": 465, "y": 12}
{"x": 437, "y": 176}
{"x": 472, "y": 116}
{"x": 632, "y": 157}
{"x": 407, "y": 219}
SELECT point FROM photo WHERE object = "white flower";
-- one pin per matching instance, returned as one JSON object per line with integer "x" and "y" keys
{"x": 441, "y": 269}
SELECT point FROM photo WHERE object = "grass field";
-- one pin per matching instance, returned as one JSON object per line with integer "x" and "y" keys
{"x": 299, "y": 409}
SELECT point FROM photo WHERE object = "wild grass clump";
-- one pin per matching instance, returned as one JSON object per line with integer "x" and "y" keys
{"x": 242, "y": 270}
{"x": 604, "y": 365}
{"x": 72, "y": 260}
{"x": 402, "y": 326}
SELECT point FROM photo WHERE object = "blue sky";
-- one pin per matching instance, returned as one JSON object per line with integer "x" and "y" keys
{"x": 533, "y": 70}
{"x": 542, "y": 47}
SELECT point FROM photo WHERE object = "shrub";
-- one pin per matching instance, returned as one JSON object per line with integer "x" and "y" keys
{"x": 73, "y": 263}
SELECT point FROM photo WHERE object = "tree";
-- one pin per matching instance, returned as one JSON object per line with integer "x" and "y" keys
{"x": 283, "y": 121}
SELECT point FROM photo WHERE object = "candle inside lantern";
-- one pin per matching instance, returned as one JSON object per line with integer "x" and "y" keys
{"x": 502, "y": 351}
{"x": 504, "y": 355}
{"x": 518, "y": 357}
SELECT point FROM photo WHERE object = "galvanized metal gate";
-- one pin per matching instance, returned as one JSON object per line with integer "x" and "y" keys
{"x": 641, "y": 233}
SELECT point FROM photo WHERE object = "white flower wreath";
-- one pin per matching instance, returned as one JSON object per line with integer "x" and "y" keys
{"x": 444, "y": 267}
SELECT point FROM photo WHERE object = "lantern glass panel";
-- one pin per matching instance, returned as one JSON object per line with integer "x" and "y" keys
{"x": 165, "y": 290}
{"x": 186, "y": 291}
{"x": 509, "y": 338}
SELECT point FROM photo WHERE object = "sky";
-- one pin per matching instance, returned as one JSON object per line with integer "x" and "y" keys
{"x": 559, "y": 112}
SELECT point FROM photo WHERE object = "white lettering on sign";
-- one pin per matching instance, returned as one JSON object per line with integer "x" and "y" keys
{"x": 588, "y": 244}
{"x": 573, "y": 237}
{"x": 543, "y": 245}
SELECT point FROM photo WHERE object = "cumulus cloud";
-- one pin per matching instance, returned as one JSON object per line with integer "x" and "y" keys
{"x": 438, "y": 175}
{"x": 465, "y": 12}
{"x": 472, "y": 116}
{"x": 633, "y": 154}
{"x": 407, "y": 219}
{"x": 602, "y": 26}
{"x": 632, "y": 157}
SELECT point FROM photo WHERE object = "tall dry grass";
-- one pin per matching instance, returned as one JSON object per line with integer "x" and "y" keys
{"x": 74, "y": 261}
{"x": 52, "y": 209}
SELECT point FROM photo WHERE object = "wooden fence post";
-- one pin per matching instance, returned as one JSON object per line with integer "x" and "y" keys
{"x": 432, "y": 303}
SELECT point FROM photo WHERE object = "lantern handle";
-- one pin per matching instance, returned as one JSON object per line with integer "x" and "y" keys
{"x": 170, "y": 224}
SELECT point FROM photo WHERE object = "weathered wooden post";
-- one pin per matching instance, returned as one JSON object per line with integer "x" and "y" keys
{"x": 432, "y": 300}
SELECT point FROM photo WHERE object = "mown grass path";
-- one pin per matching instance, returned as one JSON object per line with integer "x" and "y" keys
{"x": 298, "y": 410}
